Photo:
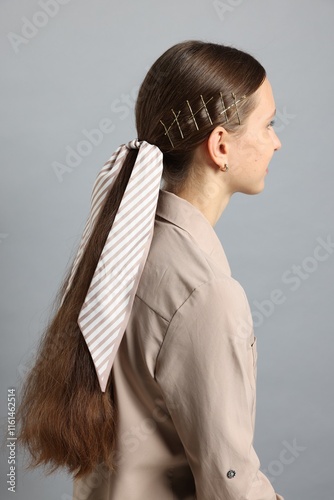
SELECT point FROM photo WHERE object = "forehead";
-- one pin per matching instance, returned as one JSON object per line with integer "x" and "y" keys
{"x": 265, "y": 100}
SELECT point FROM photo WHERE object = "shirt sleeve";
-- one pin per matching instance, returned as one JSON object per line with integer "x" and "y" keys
{"x": 206, "y": 369}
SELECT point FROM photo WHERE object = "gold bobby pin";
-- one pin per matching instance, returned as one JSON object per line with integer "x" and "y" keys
{"x": 192, "y": 114}
{"x": 177, "y": 122}
{"x": 236, "y": 107}
{"x": 176, "y": 116}
{"x": 234, "y": 104}
{"x": 167, "y": 133}
{"x": 204, "y": 106}
{"x": 206, "y": 109}
{"x": 223, "y": 106}
{"x": 168, "y": 129}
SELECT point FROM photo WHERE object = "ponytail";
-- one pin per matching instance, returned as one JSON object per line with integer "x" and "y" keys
{"x": 64, "y": 418}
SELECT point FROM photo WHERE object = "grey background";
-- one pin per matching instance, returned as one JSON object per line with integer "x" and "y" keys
{"x": 85, "y": 65}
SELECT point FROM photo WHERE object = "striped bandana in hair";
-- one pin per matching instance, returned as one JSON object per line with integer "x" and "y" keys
{"x": 108, "y": 303}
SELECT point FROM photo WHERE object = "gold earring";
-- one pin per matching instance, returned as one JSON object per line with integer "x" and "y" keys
{"x": 224, "y": 168}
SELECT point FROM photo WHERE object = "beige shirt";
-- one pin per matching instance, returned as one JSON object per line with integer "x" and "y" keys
{"x": 184, "y": 375}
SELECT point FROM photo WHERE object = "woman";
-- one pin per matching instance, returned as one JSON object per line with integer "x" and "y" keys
{"x": 144, "y": 386}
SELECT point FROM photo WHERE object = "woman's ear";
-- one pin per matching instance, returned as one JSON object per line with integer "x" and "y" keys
{"x": 217, "y": 145}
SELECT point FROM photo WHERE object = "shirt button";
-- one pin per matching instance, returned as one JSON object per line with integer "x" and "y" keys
{"x": 231, "y": 473}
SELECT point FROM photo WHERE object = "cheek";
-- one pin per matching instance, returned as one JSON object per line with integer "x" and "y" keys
{"x": 249, "y": 148}
{"x": 253, "y": 150}
{"x": 263, "y": 141}
{"x": 260, "y": 147}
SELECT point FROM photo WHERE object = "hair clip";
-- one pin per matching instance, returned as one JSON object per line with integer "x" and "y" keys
{"x": 192, "y": 114}
{"x": 200, "y": 109}
{"x": 177, "y": 122}
{"x": 206, "y": 109}
{"x": 168, "y": 129}
{"x": 223, "y": 106}
{"x": 204, "y": 106}
{"x": 236, "y": 107}
{"x": 234, "y": 104}
{"x": 167, "y": 133}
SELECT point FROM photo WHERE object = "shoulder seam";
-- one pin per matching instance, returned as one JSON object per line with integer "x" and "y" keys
{"x": 213, "y": 279}
{"x": 176, "y": 310}
{"x": 156, "y": 312}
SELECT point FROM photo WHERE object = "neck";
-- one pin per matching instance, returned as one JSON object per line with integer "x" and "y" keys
{"x": 209, "y": 199}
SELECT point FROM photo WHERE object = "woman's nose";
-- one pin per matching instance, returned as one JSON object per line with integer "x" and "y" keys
{"x": 277, "y": 143}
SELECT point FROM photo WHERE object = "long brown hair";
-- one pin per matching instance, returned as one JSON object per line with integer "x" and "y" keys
{"x": 64, "y": 418}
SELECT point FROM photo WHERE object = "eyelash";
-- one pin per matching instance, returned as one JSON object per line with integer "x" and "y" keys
{"x": 272, "y": 123}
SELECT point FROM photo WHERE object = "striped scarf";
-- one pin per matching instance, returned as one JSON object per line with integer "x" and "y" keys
{"x": 108, "y": 302}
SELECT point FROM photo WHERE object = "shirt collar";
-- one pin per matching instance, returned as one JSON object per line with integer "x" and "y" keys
{"x": 185, "y": 215}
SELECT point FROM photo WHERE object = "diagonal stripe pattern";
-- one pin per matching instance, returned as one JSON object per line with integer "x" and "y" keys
{"x": 108, "y": 303}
